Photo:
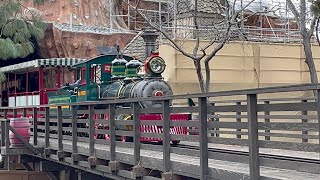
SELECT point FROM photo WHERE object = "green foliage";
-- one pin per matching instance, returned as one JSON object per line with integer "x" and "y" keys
{"x": 18, "y": 34}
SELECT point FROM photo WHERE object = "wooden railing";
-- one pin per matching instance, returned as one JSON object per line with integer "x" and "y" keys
{"x": 284, "y": 124}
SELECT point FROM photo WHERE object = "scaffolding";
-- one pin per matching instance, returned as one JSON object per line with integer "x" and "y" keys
{"x": 273, "y": 20}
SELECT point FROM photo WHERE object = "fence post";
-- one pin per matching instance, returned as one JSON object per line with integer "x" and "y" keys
{"x": 74, "y": 129}
{"x": 91, "y": 130}
{"x": 15, "y": 113}
{"x": 267, "y": 120}
{"x": 254, "y": 163}
{"x": 7, "y": 140}
{"x": 112, "y": 131}
{"x": 304, "y": 121}
{"x": 136, "y": 132}
{"x": 318, "y": 113}
{"x": 24, "y": 113}
{"x": 238, "y": 119}
{"x": 215, "y": 130}
{"x": 166, "y": 135}
{"x": 47, "y": 126}
{"x": 59, "y": 114}
{"x": 35, "y": 126}
{"x": 203, "y": 133}
{"x": 3, "y": 127}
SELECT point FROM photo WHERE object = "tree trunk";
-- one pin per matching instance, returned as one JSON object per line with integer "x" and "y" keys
{"x": 197, "y": 65}
{"x": 208, "y": 76}
{"x": 309, "y": 59}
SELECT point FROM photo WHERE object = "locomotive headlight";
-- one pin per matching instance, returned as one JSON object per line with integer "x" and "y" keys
{"x": 157, "y": 65}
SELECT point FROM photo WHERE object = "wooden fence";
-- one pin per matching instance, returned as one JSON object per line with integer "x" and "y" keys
{"x": 285, "y": 124}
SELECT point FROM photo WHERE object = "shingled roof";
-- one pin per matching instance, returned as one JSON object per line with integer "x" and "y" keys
{"x": 136, "y": 47}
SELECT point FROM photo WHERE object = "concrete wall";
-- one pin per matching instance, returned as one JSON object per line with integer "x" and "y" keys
{"x": 240, "y": 65}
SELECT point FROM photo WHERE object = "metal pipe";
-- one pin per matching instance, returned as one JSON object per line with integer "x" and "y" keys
{"x": 149, "y": 36}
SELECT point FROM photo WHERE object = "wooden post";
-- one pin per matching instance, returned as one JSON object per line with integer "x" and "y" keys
{"x": 35, "y": 126}
{"x": 47, "y": 126}
{"x": 41, "y": 84}
{"x": 58, "y": 77}
{"x": 3, "y": 128}
{"x": 304, "y": 121}
{"x": 7, "y": 140}
{"x": 15, "y": 113}
{"x": 24, "y": 113}
{"x": 91, "y": 130}
{"x": 267, "y": 120}
{"x": 254, "y": 163}
{"x": 136, "y": 132}
{"x": 166, "y": 135}
{"x": 215, "y": 134}
{"x": 112, "y": 130}
{"x": 74, "y": 129}
{"x": 59, "y": 114}
{"x": 318, "y": 113}
{"x": 203, "y": 133}
{"x": 238, "y": 119}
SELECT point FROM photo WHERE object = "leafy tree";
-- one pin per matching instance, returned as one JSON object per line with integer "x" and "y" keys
{"x": 18, "y": 34}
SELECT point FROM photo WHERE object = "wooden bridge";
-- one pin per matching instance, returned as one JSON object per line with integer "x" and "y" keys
{"x": 244, "y": 137}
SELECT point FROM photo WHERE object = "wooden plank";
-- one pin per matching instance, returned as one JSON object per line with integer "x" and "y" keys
{"x": 59, "y": 126}
{"x": 47, "y": 120}
{"x": 297, "y": 136}
{"x": 318, "y": 113}
{"x": 254, "y": 162}
{"x": 35, "y": 124}
{"x": 136, "y": 132}
{"x": 192, "y": 109}
{"x": 151, "y": 110}
{"x": 24, "y": 112}
{"x": 309, "y": 106}
{"x": 238, "y": 113}
{"x": 267, "y": 120}
{"x": 91, "y": 130}
{"x": 289, "y": 126}
{"x": 203, "y": 138}
{"x": 304, "y": 120}
{"x": 15, "y": 113}
{"x": 166, "y": 135}
{"x": 112, "y": 129}
{"x": 74, "y": 129}
{"x": 304, "y": 147}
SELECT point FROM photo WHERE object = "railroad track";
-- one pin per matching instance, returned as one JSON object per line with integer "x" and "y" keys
{"x": 262, "y": 155}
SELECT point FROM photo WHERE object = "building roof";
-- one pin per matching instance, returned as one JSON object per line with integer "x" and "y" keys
{"x": 53, "y": 62}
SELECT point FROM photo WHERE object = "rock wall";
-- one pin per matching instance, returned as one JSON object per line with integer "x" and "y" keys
{"x": 81, "y": 12}
{"x": 78, "y": 27}
{"x": 58, "y": 43}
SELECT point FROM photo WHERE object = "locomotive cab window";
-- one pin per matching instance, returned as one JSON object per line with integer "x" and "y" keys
{"x": 96, "y": 73}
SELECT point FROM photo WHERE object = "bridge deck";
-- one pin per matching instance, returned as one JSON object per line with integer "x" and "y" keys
{"x": 190, "y": 165}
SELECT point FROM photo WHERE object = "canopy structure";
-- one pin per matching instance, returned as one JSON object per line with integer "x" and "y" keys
{"x": 52, "y": 62}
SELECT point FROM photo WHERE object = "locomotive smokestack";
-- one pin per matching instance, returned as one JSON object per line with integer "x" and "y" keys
{"x": 149, "y": 36}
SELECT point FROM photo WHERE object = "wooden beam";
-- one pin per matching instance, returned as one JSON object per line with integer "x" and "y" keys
{"x": 136, "y": 132}
{"x": 254, "y": 162}
{"x": 203, "y": 138}
{"x": 166, "y": 135}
